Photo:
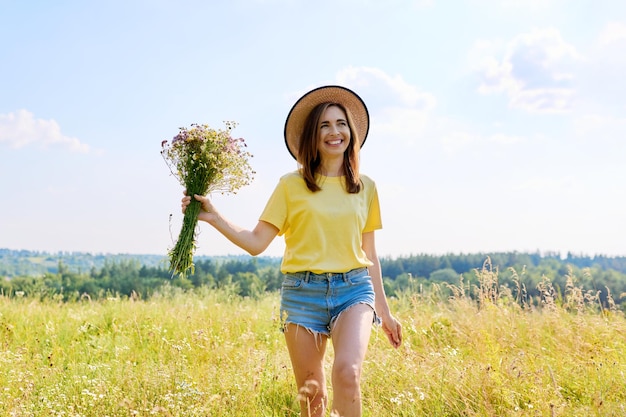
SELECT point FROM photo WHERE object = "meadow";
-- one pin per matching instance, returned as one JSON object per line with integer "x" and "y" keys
{"x": 469, "y": 350}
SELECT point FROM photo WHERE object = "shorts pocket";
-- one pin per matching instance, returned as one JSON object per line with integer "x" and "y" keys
{"x": 360, "y": 279}
{"x": 291, "y": 283}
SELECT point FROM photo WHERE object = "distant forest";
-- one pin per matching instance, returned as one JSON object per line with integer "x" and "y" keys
{"x": 76, "y": 275}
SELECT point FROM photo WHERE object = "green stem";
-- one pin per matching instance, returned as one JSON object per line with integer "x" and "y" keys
{"x": 181, "y": 256}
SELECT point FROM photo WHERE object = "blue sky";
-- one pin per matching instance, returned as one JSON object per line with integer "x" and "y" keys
{"x": 495, "y": 125}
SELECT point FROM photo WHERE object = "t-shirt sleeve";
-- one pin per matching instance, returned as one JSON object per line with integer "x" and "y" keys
{"x": 374, "y": 220}
{"x": 275, "y": 211}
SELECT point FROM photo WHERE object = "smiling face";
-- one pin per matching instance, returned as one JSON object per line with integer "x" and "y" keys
{"x": 334, "y": 133}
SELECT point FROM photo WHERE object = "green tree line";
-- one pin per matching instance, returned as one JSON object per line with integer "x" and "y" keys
{"x": 77, "y": 275}
{"x": 129, "y": 278}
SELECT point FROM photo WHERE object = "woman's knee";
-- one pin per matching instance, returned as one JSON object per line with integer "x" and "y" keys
{"x": 346, "y": 375}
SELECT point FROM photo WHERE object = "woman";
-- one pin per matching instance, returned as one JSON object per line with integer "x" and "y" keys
{"x": 328, "y": 213}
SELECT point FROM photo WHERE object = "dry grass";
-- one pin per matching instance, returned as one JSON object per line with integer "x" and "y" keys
{"x": 213, "y": 354}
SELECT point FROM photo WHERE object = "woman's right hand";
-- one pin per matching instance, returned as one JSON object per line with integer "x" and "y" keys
{"x": 207, "y": 209}
{"x": 253, "y": 241}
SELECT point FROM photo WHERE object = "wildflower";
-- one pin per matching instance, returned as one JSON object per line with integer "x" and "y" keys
{"x": 203, "y": 160}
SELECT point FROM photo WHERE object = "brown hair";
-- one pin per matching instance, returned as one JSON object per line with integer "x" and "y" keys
{"x": 308, "y": 153}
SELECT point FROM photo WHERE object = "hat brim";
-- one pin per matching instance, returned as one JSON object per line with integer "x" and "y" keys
{"x": 294, "y": 125}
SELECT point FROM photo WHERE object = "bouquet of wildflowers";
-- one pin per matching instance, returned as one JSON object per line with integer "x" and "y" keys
{"x": 204, "y": 160}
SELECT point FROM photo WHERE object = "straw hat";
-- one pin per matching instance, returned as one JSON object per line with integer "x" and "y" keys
{"x": 294, "y": 125}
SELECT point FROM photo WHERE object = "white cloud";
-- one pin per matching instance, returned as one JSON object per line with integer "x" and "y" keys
{"x": 387, "y": 90}
{"x": 403, "y": 115}
{"x": 613, "y": 32}
{"x": 536, "y": 71}
{"x": 600, "y": 85}
{"x": 548, "y": 100}
{"x": 399, "y": 110}
{"x": 21, "y": 128}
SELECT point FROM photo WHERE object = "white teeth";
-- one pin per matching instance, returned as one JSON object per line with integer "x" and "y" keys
{"x": 334, "y": 142}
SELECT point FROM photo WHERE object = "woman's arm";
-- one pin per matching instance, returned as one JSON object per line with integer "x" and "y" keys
{"x": 252, "y": 241}
{"x": 391, "y": 326}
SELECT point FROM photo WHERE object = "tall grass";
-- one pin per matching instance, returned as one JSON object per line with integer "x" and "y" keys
{"x": 469, "y": 350}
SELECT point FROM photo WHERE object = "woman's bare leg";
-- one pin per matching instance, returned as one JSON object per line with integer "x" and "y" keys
{"x": 306, "y": 351}
{"x": 350, "y": 338}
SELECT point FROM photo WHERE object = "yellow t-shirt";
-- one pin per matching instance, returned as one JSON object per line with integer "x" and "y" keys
{"x": 323, "y": 230}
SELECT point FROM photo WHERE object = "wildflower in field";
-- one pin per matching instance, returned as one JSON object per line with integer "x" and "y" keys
{"x": 203, "y": 160}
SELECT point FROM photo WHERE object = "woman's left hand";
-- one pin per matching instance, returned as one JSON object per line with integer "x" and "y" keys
{"x": 393, "y": 330}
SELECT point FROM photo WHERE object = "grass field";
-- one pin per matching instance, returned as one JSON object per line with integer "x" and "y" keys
{"x": 214, "y": 354}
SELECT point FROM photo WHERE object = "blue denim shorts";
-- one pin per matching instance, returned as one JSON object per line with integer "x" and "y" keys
{"x": 315, "y": 301}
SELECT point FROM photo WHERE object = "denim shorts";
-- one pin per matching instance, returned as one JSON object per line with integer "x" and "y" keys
{"x": 315, "y": 301}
